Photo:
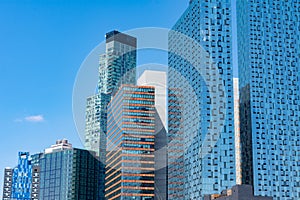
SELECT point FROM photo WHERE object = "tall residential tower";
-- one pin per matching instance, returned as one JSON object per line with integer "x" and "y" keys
{"x": 116, "y": 66}
{"x": 22, "y": 177}
{"x": 201, "y": 104}
{"x": 269, "y": 76}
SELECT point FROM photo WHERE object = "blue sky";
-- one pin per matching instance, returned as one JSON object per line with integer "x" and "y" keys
{"x": 42, "y": 45}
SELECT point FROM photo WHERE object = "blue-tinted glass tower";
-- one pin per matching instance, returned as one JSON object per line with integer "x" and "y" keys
{"x": 201, "y": 150}
{"x": 269, "y": 74}
{"x": 22, "y": 177}
{"x": 22, "y": 181}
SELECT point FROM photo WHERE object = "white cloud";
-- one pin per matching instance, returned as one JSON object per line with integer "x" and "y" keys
{"x": 35, "y": 118}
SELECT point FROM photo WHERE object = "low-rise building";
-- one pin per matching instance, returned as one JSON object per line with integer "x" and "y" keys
{"x": 237, "y": 192}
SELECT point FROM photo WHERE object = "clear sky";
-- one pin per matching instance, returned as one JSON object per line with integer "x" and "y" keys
{"x": 42, "y": 45}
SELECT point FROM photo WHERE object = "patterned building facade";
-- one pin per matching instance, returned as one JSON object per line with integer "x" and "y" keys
{"x": 269, "y": 66}
{"x": 35, "y": 183}
{"x": 201, "y": 103}
{"x": 116, "y": 66}
{"x": 22, "y": 177}
{"x": 130, "y": 169}
{"x": 22, "y": 181}
{"x": 8, "y": 174}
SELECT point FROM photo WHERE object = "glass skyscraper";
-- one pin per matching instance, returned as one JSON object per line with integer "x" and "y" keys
{"x": 201, "y": 145}
{"x": 130, "y": 167}
{"x": 68, "y": 173}
{"x": 116, "y": 66}
{"x": 22, "y": 176}
{"x": 269, "y": 75}
{"x": 95, "y": 116}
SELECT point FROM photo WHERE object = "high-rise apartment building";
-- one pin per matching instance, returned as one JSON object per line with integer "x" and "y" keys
{"x": 130, "y": 144}
{"x": 35, "y": 185}
{"x": 68, "y": 173}
{"x": 35, "y": 182}
{"x": 201, "y": 103}
{"x": 7, "y": 185}
{"x": 22, "y": 176}
{"x": 269, "y": 81}
{"x": 116, "y": 66}
{"x": 95, "y": 120}
{"x": 22, "y": 181}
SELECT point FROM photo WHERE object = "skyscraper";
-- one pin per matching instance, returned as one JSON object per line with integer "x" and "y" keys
{"x": 95, "y": 116}
{"x": 201, "y": 104}
{"x": 116, "y": 66}
{"x": 22, "y": 177}
{"x": 68, "y": 173}
{"x": 269, "y": 76}
{"x": 130, "y": 144}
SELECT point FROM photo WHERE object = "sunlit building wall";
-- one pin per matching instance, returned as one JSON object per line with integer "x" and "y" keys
{"x": 130, "y": 169}
{"x": 158, "y": 80}
{"x": 201, "y": 102}
{"x": 22, "y": 177}
{"x": 237, "y": 131}
{"x": 269, "y": 84}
